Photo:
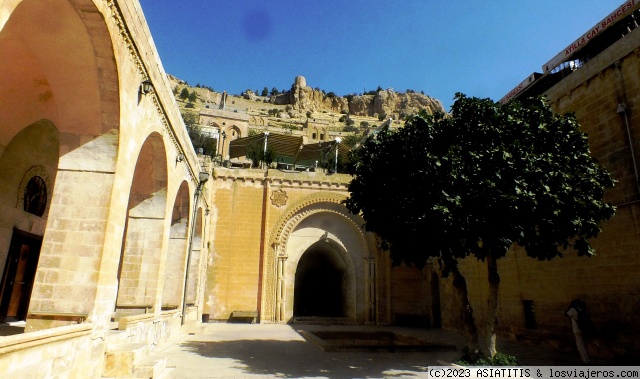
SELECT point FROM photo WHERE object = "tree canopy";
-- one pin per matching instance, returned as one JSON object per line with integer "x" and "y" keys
{"x": 199, "y": 139}
{"x": 478, "y": 181}
{"x": 481, "y": 179}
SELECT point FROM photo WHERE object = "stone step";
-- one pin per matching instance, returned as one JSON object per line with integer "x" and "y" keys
{"x": 121, "y": 359}
{"x": 150, "y": 370}
{"x": 319, "y": 320}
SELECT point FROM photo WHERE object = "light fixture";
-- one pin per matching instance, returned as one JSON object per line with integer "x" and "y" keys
{"x": 179, "y": 157}
{"x": 146, "y": 87}
{"x": 203, "y": 177}
{"x": 206, "y": 211}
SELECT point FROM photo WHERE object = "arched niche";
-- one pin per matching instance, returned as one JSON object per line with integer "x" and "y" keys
{"x": 28, "y": 168}
{"x": 62, "y": 71}
{"x": 177, "y": 249}
{"x": 319, "y": 217}
{"x": 144, "y": 232}
{"x": 196, "y": 266}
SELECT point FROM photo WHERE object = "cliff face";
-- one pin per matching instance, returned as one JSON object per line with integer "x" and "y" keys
{"x": 395, "y": 104}
{"x": 387, "y": 103}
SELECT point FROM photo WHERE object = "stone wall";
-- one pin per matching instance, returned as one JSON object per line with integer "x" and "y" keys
{"x": 263, "y": 222}
{"x": 74, "y": 114}
{"x": 607, "y": 282}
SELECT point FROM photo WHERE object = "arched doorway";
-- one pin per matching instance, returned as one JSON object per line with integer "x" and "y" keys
{"x": 320, "y": 283}
{"x": 320, "y": 230}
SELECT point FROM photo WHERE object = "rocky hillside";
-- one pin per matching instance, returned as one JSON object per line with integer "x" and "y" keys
{"x": 384, "y": 104}
{"x": 301, "y": 99}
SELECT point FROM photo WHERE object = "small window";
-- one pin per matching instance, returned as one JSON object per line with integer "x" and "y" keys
{"x": 322, "y": 137}
{"x": 529, "y": 314}
{"x": 35, "y": 196}
{"x": 313, "y": 136}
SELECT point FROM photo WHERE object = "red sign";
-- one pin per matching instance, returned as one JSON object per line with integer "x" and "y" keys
{"x": 622, "y": 11}
{"x": 525, "y": 83}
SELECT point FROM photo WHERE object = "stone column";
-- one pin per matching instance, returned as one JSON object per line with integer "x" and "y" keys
{"x": 370, "y": 290}
{"x": 281, "y": 290}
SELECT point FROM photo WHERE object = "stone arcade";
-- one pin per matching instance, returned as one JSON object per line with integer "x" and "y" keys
{"x": 115, "y": 237}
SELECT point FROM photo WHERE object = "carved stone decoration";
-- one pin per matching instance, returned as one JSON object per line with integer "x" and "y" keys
{"x": 128, "y": 41}
{"x": 295, "y": 213}
{"x": 279, "y": 198}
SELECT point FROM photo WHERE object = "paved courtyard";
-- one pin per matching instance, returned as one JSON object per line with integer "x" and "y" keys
{"x": 278, "y": 351}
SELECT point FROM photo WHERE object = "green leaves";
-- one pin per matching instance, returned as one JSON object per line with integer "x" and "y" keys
{"x": 500, "y": 174}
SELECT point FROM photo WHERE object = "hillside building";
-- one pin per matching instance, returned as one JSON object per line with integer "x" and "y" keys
{"x": 116, "y": 237}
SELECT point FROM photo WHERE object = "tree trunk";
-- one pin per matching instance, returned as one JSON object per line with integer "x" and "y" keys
{"x": 492, "y": 316}
{"x": 471, "y": 332}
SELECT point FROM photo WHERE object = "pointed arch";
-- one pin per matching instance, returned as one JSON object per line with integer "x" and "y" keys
{"x": 144, "y": 229}
{"x": 320, "y": 203}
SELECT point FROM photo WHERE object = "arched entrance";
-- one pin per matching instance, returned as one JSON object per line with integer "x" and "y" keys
{"x": 320, "y": 283}
{"x": 318, "y": 240}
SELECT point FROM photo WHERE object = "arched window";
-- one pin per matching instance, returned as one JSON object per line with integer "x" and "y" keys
{"x": 35, "y": 196}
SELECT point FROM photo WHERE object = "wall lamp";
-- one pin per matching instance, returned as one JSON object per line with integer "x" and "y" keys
{"x": 146, "y": 87}
{"x": 203, "y": 177}
{"x": 179, "y": 157}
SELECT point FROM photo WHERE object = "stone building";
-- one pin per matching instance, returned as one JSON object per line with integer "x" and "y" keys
{"x": 597, "y": 77}
{"x": 102, "y": 218}
{"x": 115, "y": 237}
{"x": 109, "y": 235}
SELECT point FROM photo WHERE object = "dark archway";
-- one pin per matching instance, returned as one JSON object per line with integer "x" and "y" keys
{"x": 319, "y": 283}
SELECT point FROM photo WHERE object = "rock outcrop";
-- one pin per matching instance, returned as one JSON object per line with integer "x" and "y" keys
{"x": 385, "y": 103}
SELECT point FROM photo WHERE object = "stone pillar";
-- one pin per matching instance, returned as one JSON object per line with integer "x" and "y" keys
{"x": 281, "y": 291}
{"x": 370, "y": 290}
{"x": 69, "y": 264}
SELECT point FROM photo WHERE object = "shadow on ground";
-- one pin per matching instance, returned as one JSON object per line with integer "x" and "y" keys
{"x": 295, "y": 359}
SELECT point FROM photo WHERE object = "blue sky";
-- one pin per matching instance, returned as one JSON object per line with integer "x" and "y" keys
{"x": 480, "y": 48}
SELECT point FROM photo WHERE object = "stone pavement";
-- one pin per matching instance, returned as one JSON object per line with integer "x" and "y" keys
{"x": 222, "y": 350}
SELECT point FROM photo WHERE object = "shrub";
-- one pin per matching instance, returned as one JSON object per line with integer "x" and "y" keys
{"x": 350, "y": 128}
{"x": 500, "y": 359}
{"x": 184, "y": 94}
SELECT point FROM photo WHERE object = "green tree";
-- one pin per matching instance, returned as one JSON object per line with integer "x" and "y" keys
{"x": 257, "y": 154}
{"x": 193, "y": 96}
{"x": 487, "y": 177}
{"x": 349, "y": 128}
{"x": 274, "y": 91}
{"x": 265, "y": 91}
{"x": 199, "y": 138}
{"x": 184, "y": 94}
